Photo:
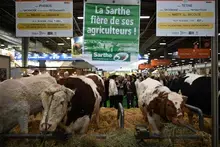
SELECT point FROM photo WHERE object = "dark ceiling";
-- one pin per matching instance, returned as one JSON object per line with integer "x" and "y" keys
{"x": 147, "y": 41}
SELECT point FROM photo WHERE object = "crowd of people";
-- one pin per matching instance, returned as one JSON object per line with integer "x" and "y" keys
{"x": 119, "y": 88}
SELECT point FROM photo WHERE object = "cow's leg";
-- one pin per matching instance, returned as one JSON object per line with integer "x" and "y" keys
{"x": 97, "y": 117}
{"x": 153, "y": 124}
{"x": 81, "y": 125}
{"x": 23, "y": 123}
{"x": 144, "y": 112}
{"x": 23, "y": 119}
{"x": 97, "y": 112}
{"x": 190, "y": 116}
{"x": 85, "y": 126}
{"x": 157, "y": 120}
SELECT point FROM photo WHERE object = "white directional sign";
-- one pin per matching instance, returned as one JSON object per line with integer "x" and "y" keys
{"x": 185, "y": 18}
{"x": 44, "y": 18}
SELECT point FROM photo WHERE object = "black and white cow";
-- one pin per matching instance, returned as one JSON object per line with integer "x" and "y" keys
{"x": 198, "y": 90}
{"x": 84, "y": 103}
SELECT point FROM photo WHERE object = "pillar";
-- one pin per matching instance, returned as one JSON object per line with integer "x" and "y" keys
{"x": 25, "y": 48}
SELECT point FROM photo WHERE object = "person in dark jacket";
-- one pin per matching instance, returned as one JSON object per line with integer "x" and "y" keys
{"x": 130, "y": 92}
{"x": 106, "y": 81}
{"x": 120, "y": 86}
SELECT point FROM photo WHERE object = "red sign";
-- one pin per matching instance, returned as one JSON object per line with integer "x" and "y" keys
{"x": 144, "y": 66}
{"x": 159, "y": 62}
{"x": 194, "y": 53}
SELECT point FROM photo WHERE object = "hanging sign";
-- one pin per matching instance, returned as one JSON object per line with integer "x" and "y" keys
{"x": 111, "y": 28}
{"x": 144, "y": 66}
{"x": 159, "y": 62}
{"x": 44, "y": 18}
{"x": 185, "y": 18}
{"x": 194, "y": 53}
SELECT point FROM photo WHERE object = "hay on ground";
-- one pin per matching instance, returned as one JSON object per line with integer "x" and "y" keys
{"x": 115, "y": 136}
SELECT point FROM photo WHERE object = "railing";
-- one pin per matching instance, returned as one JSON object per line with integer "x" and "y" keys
{"x": 42, "y": 136}
{"x": 200, "y": 114}
{"x": 120, "y": 116}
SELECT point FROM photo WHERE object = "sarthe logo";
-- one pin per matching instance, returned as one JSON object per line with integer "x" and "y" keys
{"x": 121, "y": 57}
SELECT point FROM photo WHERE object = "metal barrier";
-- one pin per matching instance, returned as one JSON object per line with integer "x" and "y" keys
{"x": 120, "y": 115}
{"x": 47, "y": 136}
{"x": 200, "y": 114}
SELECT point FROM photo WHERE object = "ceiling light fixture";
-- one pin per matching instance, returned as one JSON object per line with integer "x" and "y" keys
{"x": 60, "y": 44}
{"x": 161, "y": 56}
{"x": 153, "y": 49}
{"x": 191, "y": 59}
{"x": 162, "y": 43}
{"x": 68, "y": 38}
{"x": 183, "y": 60}
{"x": 173, "y": 59}
{"x": 80, "y": 17}
{"x": 2, "y": 45}
{"x": 170, "y": 53}
{"x": 144, "y": 17}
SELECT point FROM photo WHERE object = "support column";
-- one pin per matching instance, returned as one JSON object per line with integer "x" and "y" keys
{"x": 165, "y": 53}
{"x": 25, "y": 48}
{"x": 214, "y": 83}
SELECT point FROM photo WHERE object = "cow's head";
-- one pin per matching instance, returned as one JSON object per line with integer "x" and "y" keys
{"x": 55, "y": 101}
{"x": 170, "y": 106}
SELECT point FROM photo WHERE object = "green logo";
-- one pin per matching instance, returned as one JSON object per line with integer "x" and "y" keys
{"x": 105, "y": 56}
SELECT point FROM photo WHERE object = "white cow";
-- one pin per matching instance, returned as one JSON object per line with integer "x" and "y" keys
{"x": 20, "y": 98}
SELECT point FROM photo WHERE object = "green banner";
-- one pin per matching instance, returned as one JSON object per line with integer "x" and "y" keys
{"x": 111, "y": 29}
{"x": 108, "y": 56}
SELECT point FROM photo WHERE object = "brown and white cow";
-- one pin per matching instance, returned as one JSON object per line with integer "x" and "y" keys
{"x": 101, "y": 89}
{"x": 77, "y": 115}
{"x": 157, "y": 101}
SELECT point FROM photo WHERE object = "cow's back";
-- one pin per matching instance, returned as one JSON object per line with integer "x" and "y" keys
{"x": 199, "y": 93}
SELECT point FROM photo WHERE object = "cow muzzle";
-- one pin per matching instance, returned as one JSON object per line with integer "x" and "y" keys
{"x": 45, "y": 127}
{"x": 178, "y": 120}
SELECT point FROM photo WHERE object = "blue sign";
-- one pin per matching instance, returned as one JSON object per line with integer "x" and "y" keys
{"x": 43, "y": 56}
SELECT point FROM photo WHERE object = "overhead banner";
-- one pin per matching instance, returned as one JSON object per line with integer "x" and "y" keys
{"x": 111, "y": 28}
{"x": 185, "y": 18}
{"x": 43, "y": 56}
{"x": 44, "y": 18}
{"x": 194, "y": 53}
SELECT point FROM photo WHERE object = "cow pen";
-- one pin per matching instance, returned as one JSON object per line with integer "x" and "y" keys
{"x": 143, "y": 133}
{"x": 60, "y": 136}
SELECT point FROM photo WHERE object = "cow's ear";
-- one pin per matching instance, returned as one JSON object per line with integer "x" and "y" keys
{"x": 185, "y": 98}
